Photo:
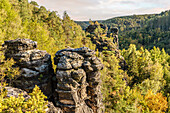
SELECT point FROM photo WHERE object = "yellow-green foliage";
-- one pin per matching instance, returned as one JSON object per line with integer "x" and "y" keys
{"x": 144, "y": 64}
{"x": 132, "y": 101}
{"x": 156, "y": 103}
{"x": 145, "y": 71}
{"x": 112, "y": 78}
{"x": 6, "y": 69}
{"x": 35, "y": 104}
{"x": 21, "y": 19}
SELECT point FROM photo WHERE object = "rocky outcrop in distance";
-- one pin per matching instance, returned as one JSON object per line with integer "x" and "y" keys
{"x": 106, "y": 43}
{"x": 77, "y": 85}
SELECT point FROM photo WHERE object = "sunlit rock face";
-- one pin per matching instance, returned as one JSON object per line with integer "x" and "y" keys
{"x": 78, "y": 81}
{"x": 35, "y": 65}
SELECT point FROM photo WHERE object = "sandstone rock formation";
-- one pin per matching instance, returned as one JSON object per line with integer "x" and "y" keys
{"x": 77, "y": 85}
{"x": 78, "y": 81}
{"x": 109, "y": 44}
{"x": 35, "y": 65}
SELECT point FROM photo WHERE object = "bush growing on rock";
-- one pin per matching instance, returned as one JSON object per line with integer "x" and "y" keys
{"x": 34, "y": 104}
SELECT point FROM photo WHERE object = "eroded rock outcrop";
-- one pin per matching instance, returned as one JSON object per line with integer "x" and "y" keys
{"x": 78, "y": 81}
{"x": 77, "y": 85}
{"x": 109, "y": 44}
{"x": 35, "y": 65}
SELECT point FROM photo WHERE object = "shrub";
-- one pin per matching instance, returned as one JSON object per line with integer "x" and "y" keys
{"x": 35, "y": 104}
{"x": 156, "y": 103}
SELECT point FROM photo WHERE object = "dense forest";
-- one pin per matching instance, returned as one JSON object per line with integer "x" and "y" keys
{"x": 142, "y": 30}
{"x": 142, "y": 87}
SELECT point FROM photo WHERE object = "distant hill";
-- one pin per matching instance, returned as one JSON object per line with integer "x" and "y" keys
{"x": 143, "y": 30}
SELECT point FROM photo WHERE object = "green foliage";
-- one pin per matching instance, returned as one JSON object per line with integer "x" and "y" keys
{"x": 10, "y": 21}
{"x": 123, "y": 91}
{"x": 132, "y": 101}
{"x": 7, "y": 73}
{"x": 21, "y": 19}
{"x": 98, "y": 31}
{"x": 142, "y": 30}
{"x": 35, "y": 104}
{"x": 126, "y": 91}
{"x": 112, "y": 78}
{"x": 143, "y": 65}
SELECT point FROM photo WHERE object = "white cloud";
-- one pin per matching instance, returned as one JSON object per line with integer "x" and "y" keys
{"x": 103, "y": 9}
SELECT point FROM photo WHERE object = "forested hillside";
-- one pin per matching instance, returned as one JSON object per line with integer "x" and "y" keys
{"x": 21, "y": 19}
{"x": 135, "y": 79}
{"x": 142, "y": 30}
{"x": 135, "y": 87}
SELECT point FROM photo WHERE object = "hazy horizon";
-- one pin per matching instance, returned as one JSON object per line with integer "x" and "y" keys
{"x": 80, "y": 10}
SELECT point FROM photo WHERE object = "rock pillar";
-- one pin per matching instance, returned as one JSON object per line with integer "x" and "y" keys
{"x": 78, "y": 81}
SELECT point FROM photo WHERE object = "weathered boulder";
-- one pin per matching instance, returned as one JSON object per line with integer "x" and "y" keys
{"x": 15, "y": 92}
{"x": 35, "y": 65}
{"x": 78, "y": 81}
{"x": 20, "y": 44}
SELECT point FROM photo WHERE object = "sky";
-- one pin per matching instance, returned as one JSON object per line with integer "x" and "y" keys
{"x": 83, "y": 10}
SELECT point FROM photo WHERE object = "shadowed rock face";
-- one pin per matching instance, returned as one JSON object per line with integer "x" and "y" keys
{"x": 35, "y": 65}
{"x": 78, "y": 81}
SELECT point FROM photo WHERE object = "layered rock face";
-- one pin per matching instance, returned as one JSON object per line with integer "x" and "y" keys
{"x": 35, "y": 65}
{"x": 78, "y": 81}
